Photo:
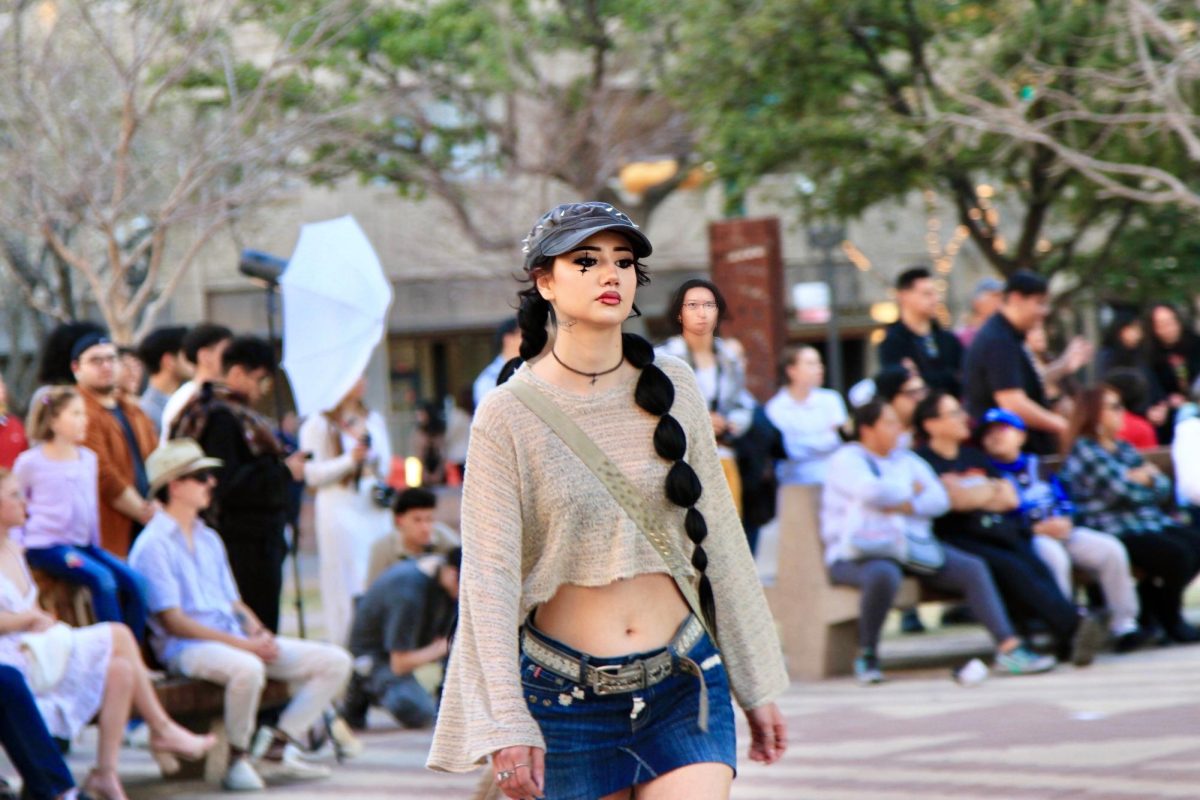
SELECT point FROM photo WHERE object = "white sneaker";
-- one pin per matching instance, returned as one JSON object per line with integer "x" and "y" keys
{"x": 292, "y": 767}
{"x": 242, "y": 777}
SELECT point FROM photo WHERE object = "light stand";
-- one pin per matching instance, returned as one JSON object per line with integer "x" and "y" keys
{"x": 826, "y": 237}
{"x": 266, "y": 270}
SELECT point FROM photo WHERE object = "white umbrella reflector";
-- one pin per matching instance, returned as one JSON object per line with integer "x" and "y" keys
{"x": 335, "y": 304}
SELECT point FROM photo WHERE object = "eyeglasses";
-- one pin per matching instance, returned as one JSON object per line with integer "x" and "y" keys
{"x": 201, "y": 476}
{"x": 95, "y": 361}
{"x": 1115, "y": 406}
{"x": 695, "y": 306}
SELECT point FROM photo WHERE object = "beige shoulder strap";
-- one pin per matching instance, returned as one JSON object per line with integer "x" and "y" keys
{"x": 618, "y": 485}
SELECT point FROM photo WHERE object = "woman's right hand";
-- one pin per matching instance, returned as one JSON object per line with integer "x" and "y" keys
{"x": 527, "y": 771}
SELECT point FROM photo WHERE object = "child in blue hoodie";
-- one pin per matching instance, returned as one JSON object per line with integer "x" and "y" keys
{"x": 1049, "y": 512}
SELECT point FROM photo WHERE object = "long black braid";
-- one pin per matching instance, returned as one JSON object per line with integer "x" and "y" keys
{"x": 654, "y": 394}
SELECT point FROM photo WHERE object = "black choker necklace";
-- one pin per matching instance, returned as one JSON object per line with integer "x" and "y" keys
{"x": 592, "y": 375}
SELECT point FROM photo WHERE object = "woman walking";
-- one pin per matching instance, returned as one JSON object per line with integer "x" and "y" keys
{"x": 350, "y": 455}
{"x": 602, "y": 570}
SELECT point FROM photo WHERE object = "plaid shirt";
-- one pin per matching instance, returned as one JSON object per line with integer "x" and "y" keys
{"x": 1105, "y": 500}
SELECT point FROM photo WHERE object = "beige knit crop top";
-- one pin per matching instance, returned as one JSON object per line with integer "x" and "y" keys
{"x": 534, "y": 517}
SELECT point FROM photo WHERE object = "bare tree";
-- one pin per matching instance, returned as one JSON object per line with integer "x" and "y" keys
{"x": 131, "y": 133}
{"x": 1144, "y": 103}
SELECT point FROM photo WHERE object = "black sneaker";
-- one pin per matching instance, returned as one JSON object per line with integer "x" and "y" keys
{"x": 910, "y": 622}
{"x": 1181, "y": 632}
{"x": 1133, "y": 640}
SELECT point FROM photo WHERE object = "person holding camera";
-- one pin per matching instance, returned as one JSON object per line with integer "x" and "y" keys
{"x": 416, "y": 532}
{"x": 350, "y": 458}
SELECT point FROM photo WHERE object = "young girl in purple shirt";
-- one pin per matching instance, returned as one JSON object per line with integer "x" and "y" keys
{"x": 62, "y": 535}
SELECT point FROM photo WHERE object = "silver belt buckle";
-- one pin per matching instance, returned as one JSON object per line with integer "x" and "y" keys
{"x": 610, "y": 673}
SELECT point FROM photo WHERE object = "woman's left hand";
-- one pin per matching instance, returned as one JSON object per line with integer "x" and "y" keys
{"x": 768, "y": 733}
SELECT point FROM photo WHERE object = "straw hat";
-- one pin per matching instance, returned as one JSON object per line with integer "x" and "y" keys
{"x": 176, "y": 458}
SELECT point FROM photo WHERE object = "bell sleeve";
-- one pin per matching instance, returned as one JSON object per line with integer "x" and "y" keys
{"x": 483, "y": 708}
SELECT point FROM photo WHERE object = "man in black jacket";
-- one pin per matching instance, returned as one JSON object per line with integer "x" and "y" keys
{"x": 250, "y": 504}
{"x": 916, "y": 341}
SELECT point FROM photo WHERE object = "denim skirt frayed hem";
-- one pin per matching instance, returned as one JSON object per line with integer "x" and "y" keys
{"x": 596, "y": 745}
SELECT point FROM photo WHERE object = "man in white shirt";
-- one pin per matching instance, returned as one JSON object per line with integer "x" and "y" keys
{"x": 808, "y": 416}
{"x": 202, "y": 347}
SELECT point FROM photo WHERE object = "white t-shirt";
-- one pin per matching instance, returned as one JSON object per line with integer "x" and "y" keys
{"x": 810, "y": 433}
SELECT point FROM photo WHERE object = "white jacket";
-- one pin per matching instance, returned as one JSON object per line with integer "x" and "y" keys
{"x": 855, "y": 494}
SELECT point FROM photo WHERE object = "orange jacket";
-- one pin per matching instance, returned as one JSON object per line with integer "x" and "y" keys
{"x": 104, "y": 435}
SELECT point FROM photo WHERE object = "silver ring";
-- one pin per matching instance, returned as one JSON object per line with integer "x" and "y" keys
{"x": 505, "y": 774}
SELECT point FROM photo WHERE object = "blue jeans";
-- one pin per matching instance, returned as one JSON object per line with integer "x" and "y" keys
{"x": 24, "y": 737}
{"x": 596, "y": 745}
{"x": 118, "y": 593}
{"x": 402, "y": 696}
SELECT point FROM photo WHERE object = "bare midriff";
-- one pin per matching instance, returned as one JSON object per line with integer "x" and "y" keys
{"x": 630, "y": 615}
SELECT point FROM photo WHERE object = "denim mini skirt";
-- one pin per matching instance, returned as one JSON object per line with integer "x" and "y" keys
{"x": 599, "y": 744}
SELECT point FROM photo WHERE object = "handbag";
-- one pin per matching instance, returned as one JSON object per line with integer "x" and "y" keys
{"x": 917, "y": 551}
{"x": 47, "y": 653}
{"x": 627, "y": 495}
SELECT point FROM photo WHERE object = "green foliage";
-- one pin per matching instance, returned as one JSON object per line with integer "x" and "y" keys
{"x": 1157, "y": 258}
{"x": 854, "y": 96}
{"x": 443, "y": 92}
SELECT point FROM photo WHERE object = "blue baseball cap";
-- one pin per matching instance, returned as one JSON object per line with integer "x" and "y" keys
{"x": 998, "y": 416}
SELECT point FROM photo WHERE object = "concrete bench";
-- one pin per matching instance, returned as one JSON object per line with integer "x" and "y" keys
{"x": 818, "y": 621}
{"x": 195, "y": 704}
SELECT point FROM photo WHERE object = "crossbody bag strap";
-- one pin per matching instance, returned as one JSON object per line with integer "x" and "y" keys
{"x": 619, "y": 486}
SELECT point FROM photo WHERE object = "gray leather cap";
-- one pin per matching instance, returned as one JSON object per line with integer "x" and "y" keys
{"x": 562, "y": 228}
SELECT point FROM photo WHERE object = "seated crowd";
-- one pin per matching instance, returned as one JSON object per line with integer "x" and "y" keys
{"x": 178, "y": 536}
{"x": 921, "y": 472}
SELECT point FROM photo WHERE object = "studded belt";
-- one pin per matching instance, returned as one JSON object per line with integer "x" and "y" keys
{"x": 628, "y": 677}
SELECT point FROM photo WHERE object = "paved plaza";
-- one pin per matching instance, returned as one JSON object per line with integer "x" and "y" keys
{"x": 1127, "y": 728}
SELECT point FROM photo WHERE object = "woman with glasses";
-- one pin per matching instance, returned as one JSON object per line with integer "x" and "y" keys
{"x": 901, "y": 389}
{"x": 980, "y": 522}
{"x": 696, "y": 312}
{"x": 1117, "y": 491}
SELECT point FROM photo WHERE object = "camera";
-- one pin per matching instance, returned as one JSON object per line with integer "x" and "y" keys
{"x": 383, "y": 495}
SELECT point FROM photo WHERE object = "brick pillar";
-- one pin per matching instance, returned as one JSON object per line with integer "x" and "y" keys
{"x": 747, "y": 265}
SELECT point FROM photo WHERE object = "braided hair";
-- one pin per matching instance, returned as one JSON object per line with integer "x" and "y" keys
{"x": 654, "y": 393}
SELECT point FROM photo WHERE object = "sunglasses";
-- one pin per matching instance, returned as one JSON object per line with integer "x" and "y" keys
{"x": 202, "y": 476}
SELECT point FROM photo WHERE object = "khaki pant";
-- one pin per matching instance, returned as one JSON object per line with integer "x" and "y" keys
{"x": 317, "y": 671}
{"x": 1102, "y": 556}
